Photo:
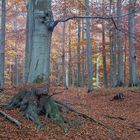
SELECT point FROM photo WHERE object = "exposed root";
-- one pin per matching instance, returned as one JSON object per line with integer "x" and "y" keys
{"x": 33, "y": 103}
{"x": 83, "y": 115}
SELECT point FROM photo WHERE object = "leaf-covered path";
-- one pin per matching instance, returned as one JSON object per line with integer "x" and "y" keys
{"x": 122, "y": 116}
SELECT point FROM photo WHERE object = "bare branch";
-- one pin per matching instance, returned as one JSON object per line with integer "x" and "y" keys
{"x": 53, "y": 24}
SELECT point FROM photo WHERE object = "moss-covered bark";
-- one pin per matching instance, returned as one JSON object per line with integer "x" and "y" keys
{"x": 33, "y": 103}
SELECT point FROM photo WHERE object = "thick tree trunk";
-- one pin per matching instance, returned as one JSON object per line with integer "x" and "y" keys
{"x": 2, "y": 44}
{"x": 39, "y": 40}
{"x": 29, "y": 34}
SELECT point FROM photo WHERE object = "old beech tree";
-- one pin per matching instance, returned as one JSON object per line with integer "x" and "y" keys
{"x": 35, "y": 101}
{"x": 38, "y": 41}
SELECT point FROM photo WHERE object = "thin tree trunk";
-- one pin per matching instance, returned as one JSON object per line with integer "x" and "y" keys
{"x": 70, "y": 57}
{"x": 56, "y": 73}
{"x": 63, "y": 55}
{"x": 83, "y": 56}
{"x": 78, "y": 58}
{"x": 104, "y": 56}
{"x": 16, "y": 50}
{"x": 119, "y": 44}
{"x": 125, "y": 58}
{"x": 104, "y": 52}
{"x": 97, "y": 66}
{"x": 114, "y": 54}
{"x": 89, "y": 49}
{"x": 111, "y": 49}
{"x": 2, "y": 43}
{"x": 67, "y": 70}
{"x": 114, "y": 58}
{"x": 132, "y": 52}
{"x": 23, "y": 67}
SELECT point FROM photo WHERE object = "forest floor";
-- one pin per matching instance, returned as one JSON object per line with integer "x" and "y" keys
{"x": 122, "y": 116}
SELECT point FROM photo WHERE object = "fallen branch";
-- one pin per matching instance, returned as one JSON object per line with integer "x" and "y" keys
{"x": 13, "y": 120}
{"x": 136, "y": 126}
{"x": 113, "y": 117}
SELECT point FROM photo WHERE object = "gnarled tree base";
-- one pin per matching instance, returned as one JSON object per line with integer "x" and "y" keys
{"x": 33, "y": 103}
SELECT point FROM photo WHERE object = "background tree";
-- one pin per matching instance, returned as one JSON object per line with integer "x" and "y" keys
{"x": 119, "y": 44}
{"x": 2, "y": 43}
{"x": 132, "y": 53}
{"x": 104, "y": 51}
{"x": 89, "y": 49}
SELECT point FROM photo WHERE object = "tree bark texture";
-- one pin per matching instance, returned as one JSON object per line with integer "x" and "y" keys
{"x": 119, "y": 44}
{"x": 132, "y": 52}
{"x": 38, "y": 40}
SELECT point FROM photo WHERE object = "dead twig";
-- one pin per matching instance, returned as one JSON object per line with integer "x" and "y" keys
{"x": 136, "y": 126}
{"x": 114, "y": 117}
